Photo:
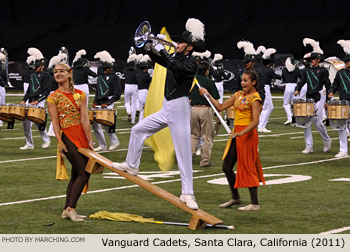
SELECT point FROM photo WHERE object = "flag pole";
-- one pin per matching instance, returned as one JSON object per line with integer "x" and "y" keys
{"x": 227, "y": 128}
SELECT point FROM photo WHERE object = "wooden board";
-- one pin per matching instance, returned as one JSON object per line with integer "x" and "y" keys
{"x": 199, "y": 217}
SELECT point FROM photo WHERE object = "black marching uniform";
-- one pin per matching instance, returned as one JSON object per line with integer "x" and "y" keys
{"x": 108, "y": 89}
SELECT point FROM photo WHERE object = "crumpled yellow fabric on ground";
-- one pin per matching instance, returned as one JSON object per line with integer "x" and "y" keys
{"x": 104, "y": 215}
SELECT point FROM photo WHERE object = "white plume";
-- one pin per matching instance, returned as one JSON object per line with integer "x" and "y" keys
{"x": 196, "y": 28}
{"x": 63, "y": 57}
{"x": 247, "y": 46}
{"x": 261, "y": 49}
{"x": 35, "y": 52}
{"x": 206, "y": 54}
{"x": 79, "y": 54}
{"x": 2, "y": 56}
{"x": 290, "y": 67}
{"x": 132, "y": 57}
{"x": 345, "y": 44}
{"x": 308, "y": 55}
{"x": 54, "y": 61}
{"x": 268, "y": 53}
{"x": 30, "y": 59}
{"x": 139, "y": 57}
{"x": 104, "y": 56}
{"x": 217, "y": 56}
{"x": 145, "y": 58}
{"x": 315, "y": 45}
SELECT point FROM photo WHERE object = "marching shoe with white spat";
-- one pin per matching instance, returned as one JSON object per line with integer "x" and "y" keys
{"x": 287, "y": 122}
{"x": 307, "y": 150}
{"x": 125, "y": 167}
{"x": 26, "y": 147}
{"x": 190, "y": 201}
{"x": 46, "y": 145}
{"x": 100, "y": 148}
{"x": 114, "y": 146}
{"x": 327, "y": 145}
{"x": 341, "y": 154}
{"x": 264, "y": 130}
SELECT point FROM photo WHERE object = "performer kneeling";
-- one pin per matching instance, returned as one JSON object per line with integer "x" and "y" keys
{"x": 242, "y": 146}
{"x": 67, "y": 108}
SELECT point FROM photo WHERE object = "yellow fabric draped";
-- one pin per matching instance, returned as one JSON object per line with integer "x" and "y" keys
{"x": 227, "y": 148}
{"x": 104, "y": 215}
{"x": 161, "y": 142}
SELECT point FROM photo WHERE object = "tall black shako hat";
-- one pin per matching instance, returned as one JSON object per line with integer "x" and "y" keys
{"x": 249, "y": 51}
{"x": 144, "y": 61}
{"x": 79, "y": 59}
{"x": 106, "y": 59}
{"x": 194, "y": 35}
{"x": 317, "y": 52}
{"x": 346, "y": 47}
{"x": 39, "y": 57}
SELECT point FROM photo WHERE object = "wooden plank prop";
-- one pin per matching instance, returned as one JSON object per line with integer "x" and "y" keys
{"x": 199, "y": 217}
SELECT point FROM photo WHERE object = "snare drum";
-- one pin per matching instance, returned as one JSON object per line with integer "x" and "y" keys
{"x": 5, "y": 110}
{"x": 18, "y": 111}
{"x": 105, "y": 116}
{"x": 91, "y": 115}
{"x": 303, "y": 111}
{"x": 36, "y": 114}
{"x": 338, "y": 114}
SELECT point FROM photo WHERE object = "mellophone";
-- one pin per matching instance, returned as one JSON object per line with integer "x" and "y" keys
{"x": 338, "y": 113}
{"x": 8, "y": 112}
{"x": 103, "y": 116}
{"x": 303, "y": 111}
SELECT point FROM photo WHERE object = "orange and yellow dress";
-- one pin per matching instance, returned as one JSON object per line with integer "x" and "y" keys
{"x": 68, "y": 108}
{"x": 249, "y": 169}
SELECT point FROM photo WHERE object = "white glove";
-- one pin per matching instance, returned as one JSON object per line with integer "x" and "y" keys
{"x": 161, "y": 36}
{"x": 159, "y": 47}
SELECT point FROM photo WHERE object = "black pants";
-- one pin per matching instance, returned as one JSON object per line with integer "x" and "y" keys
{"x": 79, "y": 177}
{"x": 227, "y": 167}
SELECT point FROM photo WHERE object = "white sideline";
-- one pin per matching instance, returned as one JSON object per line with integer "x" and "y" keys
{"x": 336, "y": 231}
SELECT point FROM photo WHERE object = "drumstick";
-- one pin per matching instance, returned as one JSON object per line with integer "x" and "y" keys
{"x": 227, "y": 128}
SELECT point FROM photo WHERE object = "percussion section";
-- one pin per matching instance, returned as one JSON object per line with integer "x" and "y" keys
{"x": 36, "y": 114}
{"x": 5, "y": 113}
{"x": 338, "y": 114}
{"x": 105, "y": 116}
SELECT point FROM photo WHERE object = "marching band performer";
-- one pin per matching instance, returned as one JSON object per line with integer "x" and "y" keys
{"x": 267, "y": 74}
{"x": 37, "y": 92}
{"x": 108, "y": 91}
{"x": 175, "y": 112}
{"x": 143, "y": 79}
{"x": 130, "y": 90}
{"x": 3, "y": 80}
{"x": 29, "y": 69}
{"x": 341, "y": 84}
{"x": 81, "y": 73}
{"x": 316, "y": 77}
{"x": 290, "y": 76}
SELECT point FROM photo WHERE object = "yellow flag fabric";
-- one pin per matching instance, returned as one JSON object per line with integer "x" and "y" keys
{"x": 161, "y": 142}
{"x": 104, "y": 215}
{"x": 61, "y": 170}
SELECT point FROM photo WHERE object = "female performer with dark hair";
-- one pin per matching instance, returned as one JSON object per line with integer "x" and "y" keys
{"x": 242, "y": 146}
{"x": 67, "y": 108}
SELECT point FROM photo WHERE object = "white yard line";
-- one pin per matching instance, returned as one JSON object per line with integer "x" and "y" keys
{"x": 336, "y": 231}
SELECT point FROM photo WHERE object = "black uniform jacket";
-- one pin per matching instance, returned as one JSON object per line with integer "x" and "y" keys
{"x": 143, "y": 80}
{"x": 341, "y": 84}
{"x": 81, "y": 75}
{"x": 39, "y": 86}
{"x": 291, "y": 77}
{"x": 107, "y": 85}
{"x": 180, "y": 73}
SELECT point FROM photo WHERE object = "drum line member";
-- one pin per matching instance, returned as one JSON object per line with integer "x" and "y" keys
{"x": 67, "y": 108}
{"x": 202, "y": 117}
{"x": 81, "y": 73}
{"x": 143, "y": 79}
{"x": 130, "y": 90}
{"x": 290, "y": 76}
{"x": 37, "y": 92}
{"x": 306, "y": 63}
{"x": 219, "y": 75}
{"x": 242, "y": 146}
{"x": 266, "y": 75}
{"x": 3, "y": 80}
{"x": 316, "y": 77}
{"x": 341, "y": 84}
{"x": 250, "y": 58}
{"x": 108, "y": 91}
{"x": 28, "y": 71}
{"x": 175, "y": 112}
